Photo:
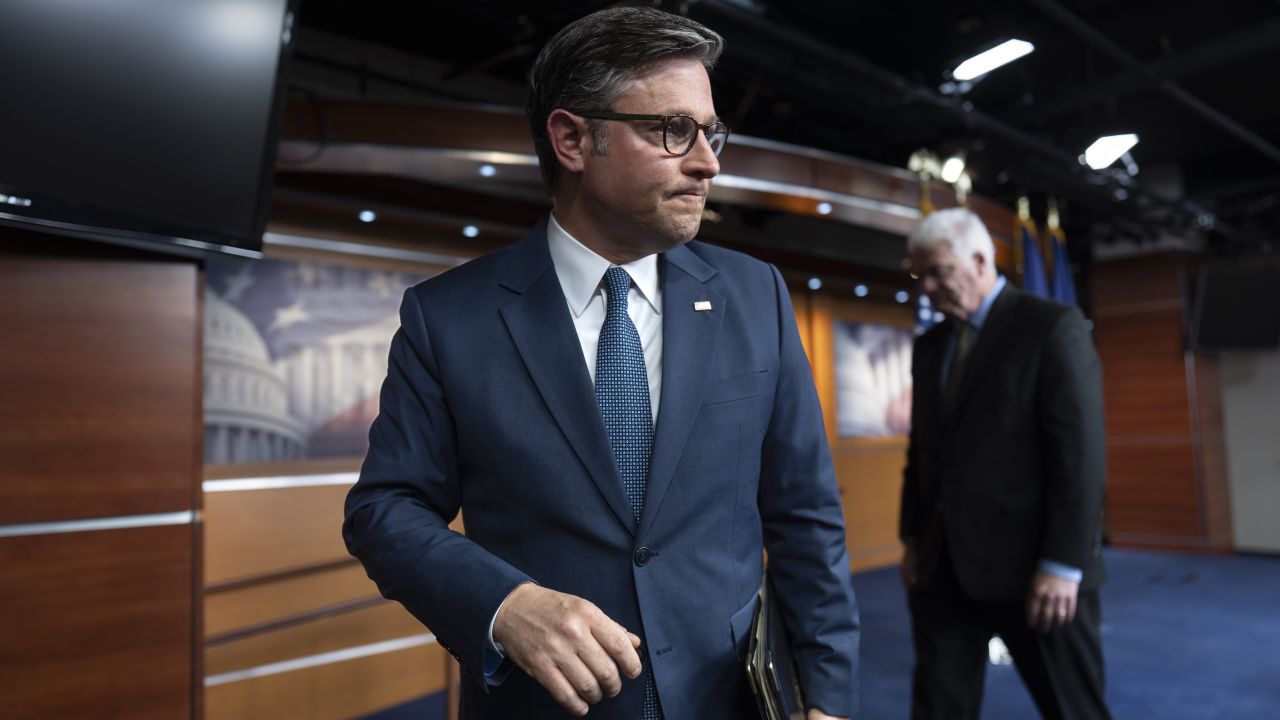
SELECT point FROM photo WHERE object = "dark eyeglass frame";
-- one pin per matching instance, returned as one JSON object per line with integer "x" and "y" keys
{"x": 705, "y": 129}
{"x": 937, "y": 272}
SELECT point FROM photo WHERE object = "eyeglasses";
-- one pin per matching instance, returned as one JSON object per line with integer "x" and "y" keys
{"x": 937, "y": 272}
{"x": 679, "y": 132}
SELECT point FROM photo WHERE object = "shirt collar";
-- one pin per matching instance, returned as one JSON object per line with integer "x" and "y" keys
{"x": 580, "y": 270}
{"x": 980, "y": 316}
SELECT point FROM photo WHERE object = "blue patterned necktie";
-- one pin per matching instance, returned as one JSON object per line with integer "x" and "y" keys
{"x": 622, "y": 390}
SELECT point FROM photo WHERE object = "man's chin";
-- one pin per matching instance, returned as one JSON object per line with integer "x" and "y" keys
{"x": 946, "y": 309}
{"x": 683, "y": 230}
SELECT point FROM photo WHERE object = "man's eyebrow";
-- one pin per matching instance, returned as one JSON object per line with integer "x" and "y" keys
{"x": 694, "y": 115}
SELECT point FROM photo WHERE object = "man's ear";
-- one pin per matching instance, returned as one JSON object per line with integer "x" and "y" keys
{"x": 569, "y": 139}
{"x": 980, "y": 264}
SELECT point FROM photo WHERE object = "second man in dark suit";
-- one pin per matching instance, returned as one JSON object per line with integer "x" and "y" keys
{"x": 1003, "y": 487}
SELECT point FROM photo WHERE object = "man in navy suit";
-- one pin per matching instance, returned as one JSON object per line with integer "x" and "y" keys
{"x": 1003, "y": 487}
{"x": 625, "y": 418}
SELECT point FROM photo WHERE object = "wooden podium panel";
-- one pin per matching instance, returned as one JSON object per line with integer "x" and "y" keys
{"x": 101, "y": 387}
{"x": 99, "y": 452}
{"x": 97, "y": 624}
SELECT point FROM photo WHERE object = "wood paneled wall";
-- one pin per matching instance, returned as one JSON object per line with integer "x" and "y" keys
{"x": 99, "y": 421}
{"x": 1167, "y": 482}
{"x": 868, "y": 471}
{"x": 293, "y": 627}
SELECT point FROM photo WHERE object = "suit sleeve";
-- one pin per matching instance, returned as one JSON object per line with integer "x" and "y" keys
{"x": 398, "y": 513}
{"x": 804, "y": 530}
{"x": 1073, "y": 438}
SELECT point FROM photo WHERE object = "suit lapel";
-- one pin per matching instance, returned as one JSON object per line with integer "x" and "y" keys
{"x": 990, "y": 338}
{"x": 540, "y": 325}
{"x": 689, "y": 339}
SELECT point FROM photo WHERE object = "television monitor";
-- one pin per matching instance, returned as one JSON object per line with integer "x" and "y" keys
{"x": 1236, "y": 306}
{"x": 143, "y": 122}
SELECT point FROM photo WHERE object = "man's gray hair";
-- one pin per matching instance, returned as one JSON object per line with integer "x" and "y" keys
{"x": 959, "y": 227}
{"x": 590, "y": 63}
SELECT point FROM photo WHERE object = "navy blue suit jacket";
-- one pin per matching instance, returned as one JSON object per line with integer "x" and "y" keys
{"x": 488, "y": 408}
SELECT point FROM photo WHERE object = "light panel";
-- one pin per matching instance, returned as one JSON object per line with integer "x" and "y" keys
{"x": 984, "y": 62}
{"x": 1107, "y": 149}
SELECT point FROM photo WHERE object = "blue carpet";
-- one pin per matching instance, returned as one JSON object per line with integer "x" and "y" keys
{"x": 429, "y": 707}
{"x": 1185, "y": 637}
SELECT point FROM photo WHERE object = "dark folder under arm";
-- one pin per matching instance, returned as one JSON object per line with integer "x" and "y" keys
{"x": 771, "y": 666}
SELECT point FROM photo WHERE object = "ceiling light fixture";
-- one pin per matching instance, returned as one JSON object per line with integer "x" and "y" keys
{"x": 985, "y": 62}
{"x": 367, "y": 216}
{"x": 487, "y": 170}
{"x": 1107, "y": 149}
{"x": 471, "y": 231}
{"x": 815, "y": 283}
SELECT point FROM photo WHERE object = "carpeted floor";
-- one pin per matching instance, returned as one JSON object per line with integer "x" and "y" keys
{"x": 1186, "y": 637}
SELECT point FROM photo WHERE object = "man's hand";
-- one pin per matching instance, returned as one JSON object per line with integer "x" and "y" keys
{"x": 816, "y": 714}
{"x": 1051, "y": 602}
{"x": 908, "y": 568}
{"x": 567, "y": 644}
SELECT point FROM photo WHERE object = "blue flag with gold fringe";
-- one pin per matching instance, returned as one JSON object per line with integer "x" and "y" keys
{"x": 1033, "y": 277}
{"x": 1064, "y": 286}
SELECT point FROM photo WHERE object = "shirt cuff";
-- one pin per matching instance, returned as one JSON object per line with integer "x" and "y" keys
{"x": 1059, "y": 570}
{"x": 496, "y": 664}
{"x": 496, "y": 667}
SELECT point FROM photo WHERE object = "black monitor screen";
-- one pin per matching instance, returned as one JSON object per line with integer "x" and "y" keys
{"x": 1236, "y": 306}
{"x": 151, "y": 119}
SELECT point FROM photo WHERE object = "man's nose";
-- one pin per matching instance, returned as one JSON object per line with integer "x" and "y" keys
{"x": 701, "y": 160}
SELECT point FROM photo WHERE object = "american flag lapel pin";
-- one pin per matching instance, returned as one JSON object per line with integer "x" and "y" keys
{"x": 701, "y": 305}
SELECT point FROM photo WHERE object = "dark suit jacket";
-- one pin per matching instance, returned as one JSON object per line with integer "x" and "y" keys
{"x": 1014, "y": 473}
{"x": 488, "y": 407}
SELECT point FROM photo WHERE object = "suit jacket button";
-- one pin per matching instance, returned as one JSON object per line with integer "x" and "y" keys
{"x": 642, "y": 556}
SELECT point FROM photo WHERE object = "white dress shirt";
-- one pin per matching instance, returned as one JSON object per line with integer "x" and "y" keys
{"x": 581, "y": 274}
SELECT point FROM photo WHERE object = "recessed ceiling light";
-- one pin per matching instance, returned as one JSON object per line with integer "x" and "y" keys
{"x": 824, "y": 208}
{"x": 367, "y": 216}
{"x": 471, "y": 231}
{"x": 487, "y": 170}
{"x": 815, "y": 283}
{"x": 902, "y": 296}
{"x": 860, "y": 290}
